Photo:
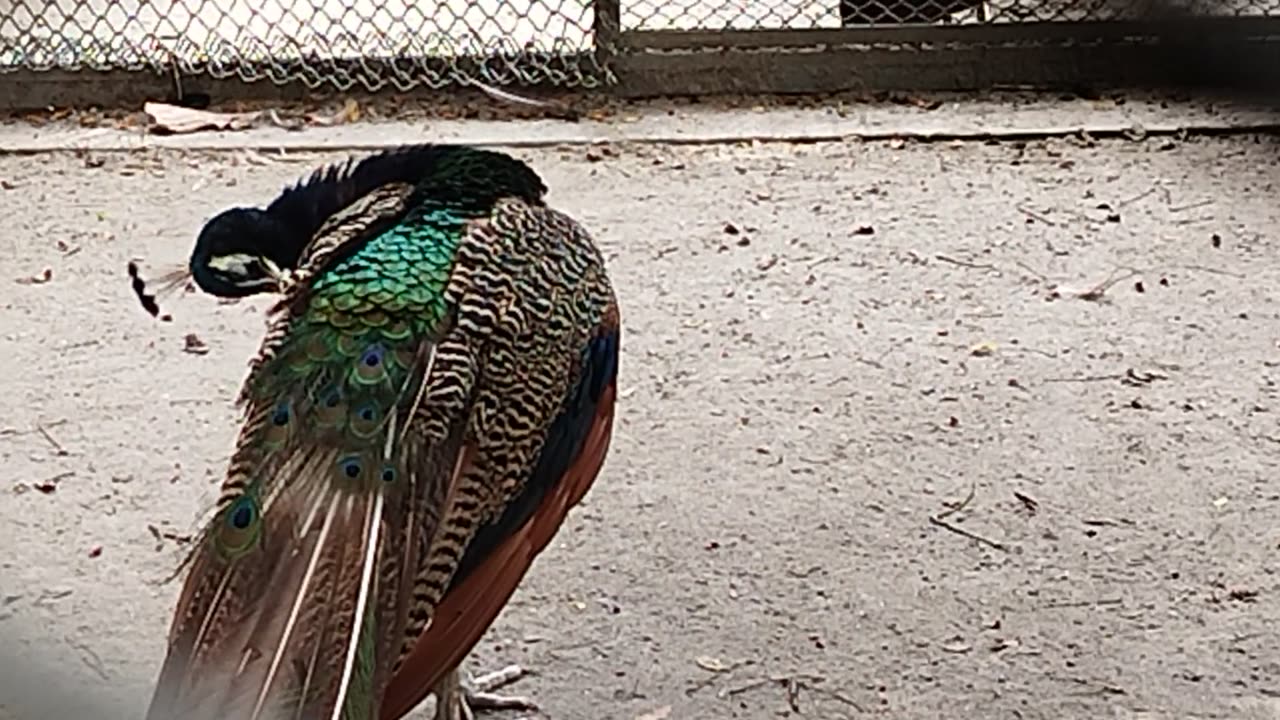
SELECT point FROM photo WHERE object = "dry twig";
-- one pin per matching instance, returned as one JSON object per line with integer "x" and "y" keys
{"x": 1036, "y": 216}
{"x": 965, "y": 263}
{"x": 939, "y": 519}
{"x": 57, "y": 446}
{"x": 793, "y": 684}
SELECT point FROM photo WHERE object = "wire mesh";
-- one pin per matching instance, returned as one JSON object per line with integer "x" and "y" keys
{"x": 833, "y": 14}
{"x": 409, "y": 43}
{"x": 374, "y": 43}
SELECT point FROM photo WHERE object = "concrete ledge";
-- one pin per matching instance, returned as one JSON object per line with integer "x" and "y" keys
{"x": 654, "y": 123}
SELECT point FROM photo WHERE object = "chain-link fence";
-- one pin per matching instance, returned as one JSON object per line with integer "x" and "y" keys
{"x": 375, "y": 44}
{"x": 832, "y": 14}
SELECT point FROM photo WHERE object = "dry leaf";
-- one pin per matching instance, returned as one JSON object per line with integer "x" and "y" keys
{"x": 1027, "y": 501}
{"x": 661, "y": 713}
{"x": 983, "y": 349}
{"x": 1096, "y": 293}
{"x": 349, "y": 113}
{"x": 1002, "y": 644}
{"x": 45, "y": 276}
{"x": 177, "y": 119}
{"x": 194, "y": 345}
{"x": 711, "y": 664}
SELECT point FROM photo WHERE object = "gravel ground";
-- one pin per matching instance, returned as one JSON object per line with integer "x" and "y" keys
{"x": 950, "y": 430}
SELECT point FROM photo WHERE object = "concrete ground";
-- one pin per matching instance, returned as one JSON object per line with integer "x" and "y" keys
{"x": 906, "y": 430}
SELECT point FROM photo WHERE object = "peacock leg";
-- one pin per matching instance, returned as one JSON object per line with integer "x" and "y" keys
{"x": 460, "y": 694}
{"x": 451, "y": 703}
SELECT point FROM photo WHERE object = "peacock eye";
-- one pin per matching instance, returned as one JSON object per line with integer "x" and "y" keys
{"x": 236, "y": 264}
{"x": 243, "y": 269}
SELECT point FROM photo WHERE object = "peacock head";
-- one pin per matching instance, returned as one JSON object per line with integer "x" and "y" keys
{"x": 240, "y": 252}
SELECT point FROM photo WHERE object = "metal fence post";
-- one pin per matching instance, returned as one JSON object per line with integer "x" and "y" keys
{"x": 607, "y": 29}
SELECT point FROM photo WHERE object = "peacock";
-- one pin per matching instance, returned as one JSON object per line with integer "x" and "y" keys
{"x": 434, "y": 392}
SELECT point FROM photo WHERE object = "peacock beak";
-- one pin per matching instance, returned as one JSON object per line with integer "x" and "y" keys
{"x": 273, "y": 270}
{"x": 173, "y": 278}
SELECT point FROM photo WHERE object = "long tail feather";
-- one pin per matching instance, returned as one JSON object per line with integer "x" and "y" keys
{"x": 274, "y": 632}
{"x": 299, "y": 591}
{"x": 374, "y": 524}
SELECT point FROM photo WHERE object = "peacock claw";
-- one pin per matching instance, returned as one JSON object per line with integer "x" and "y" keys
{"x": 473, "y": 693}
{"x": 479, "y": 694}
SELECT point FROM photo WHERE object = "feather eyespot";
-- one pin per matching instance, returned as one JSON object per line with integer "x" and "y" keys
{"x": 280, "y": 417}
{"x": 372, "y": 357}
{"x": 331, "y": 411}
{"x": 277, "y": 432}
{"x": 350, "y": 467}
{"x": 366, "y": 421}
{"x": 371, "y": 367}
{"x": 241, "y": 525}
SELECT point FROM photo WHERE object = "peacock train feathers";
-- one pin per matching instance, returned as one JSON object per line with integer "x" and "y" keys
{"x": 433, "y": 394}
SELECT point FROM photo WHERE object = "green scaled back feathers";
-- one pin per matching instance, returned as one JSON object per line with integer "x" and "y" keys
{"x": 351, "y": 352}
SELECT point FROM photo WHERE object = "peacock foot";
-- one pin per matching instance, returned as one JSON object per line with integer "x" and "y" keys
{"x": 458, "y": 697}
